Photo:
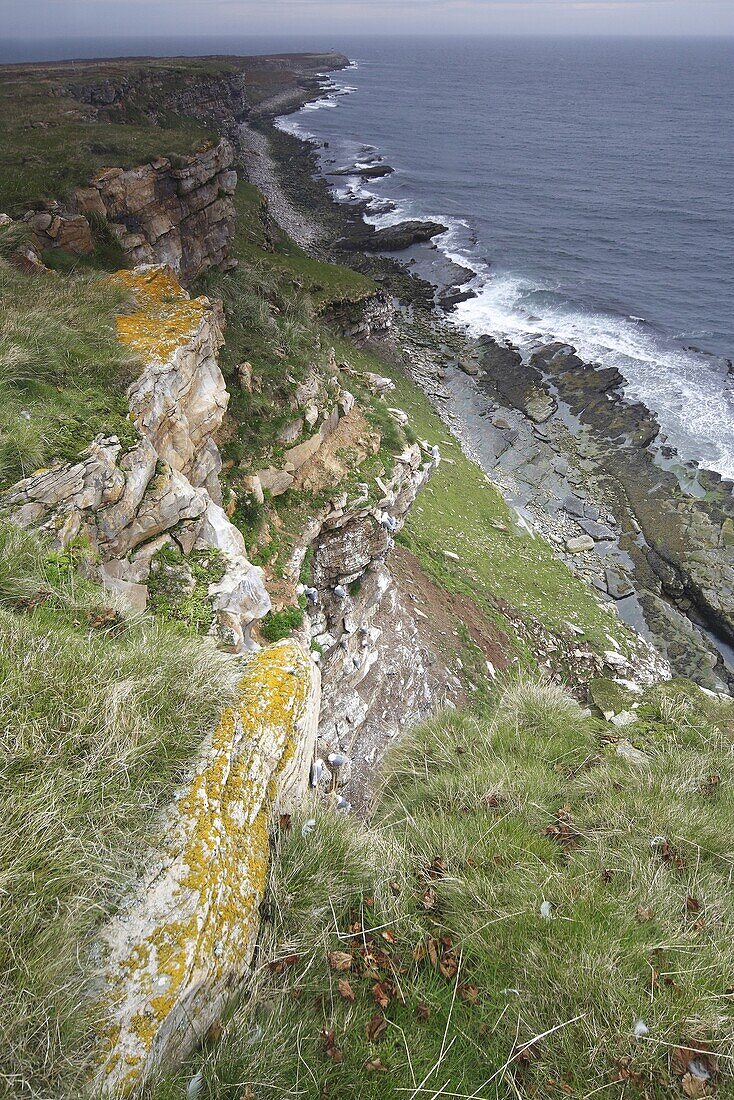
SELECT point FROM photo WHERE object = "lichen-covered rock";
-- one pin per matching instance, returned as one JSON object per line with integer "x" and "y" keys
{"x": 180, "y": 947}
{"x": 166, "y": 485}
{"x": 180, "y": 399}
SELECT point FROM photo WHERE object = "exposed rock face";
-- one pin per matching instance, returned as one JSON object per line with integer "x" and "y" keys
{"x": 52, "y": 229}
{"x": 178, "y": 214}
{"x": 165, "y": 488}
{"x": 179, "y": 949}
{"x": 360, "y": 321}
{"x": 374, "y": 668}
{"x": 179, "y": 401}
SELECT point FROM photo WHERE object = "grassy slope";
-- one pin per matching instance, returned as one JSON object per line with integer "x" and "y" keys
{"x": 87, "y": 767}
{"x": 99, "y": 719}
{"x": 63, "y": 374}
{"x": 452, "y": 970}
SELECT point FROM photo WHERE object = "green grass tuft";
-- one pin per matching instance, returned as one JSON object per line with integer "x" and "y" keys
{"x": 99, "y": 720}
{"x": 507, "y": 918}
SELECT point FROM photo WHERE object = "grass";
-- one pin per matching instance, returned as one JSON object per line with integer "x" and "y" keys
{"x": 178, "y": 587}
{"x": 99, "y": 719}
{"x": 501, "y": 563}
{"x": 52, "y": 143}
{"x": 506, "y": 921}
{"x": 63, "y": 373}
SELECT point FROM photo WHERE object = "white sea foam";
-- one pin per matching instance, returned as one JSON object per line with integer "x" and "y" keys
{"x": 689, "y": 392}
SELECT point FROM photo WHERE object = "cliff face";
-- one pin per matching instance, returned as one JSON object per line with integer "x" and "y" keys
{"x": 180, "y": 214}
{"x": 378, "y": 674}
{"x": 128, "y": 506}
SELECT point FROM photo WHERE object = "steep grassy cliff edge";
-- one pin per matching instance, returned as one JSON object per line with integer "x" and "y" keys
{"x": 323, "y": 774}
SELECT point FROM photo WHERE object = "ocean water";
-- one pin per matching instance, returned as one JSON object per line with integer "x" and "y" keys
{"x": 588, "y": 184}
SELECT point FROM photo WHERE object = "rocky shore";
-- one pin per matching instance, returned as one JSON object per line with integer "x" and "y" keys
{"x": 581, "y": 463}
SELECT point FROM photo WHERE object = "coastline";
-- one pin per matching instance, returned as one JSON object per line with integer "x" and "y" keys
{"x": 574, "y": 456}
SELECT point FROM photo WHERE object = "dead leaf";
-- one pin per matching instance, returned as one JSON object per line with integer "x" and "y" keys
{"x": 694, "y": 1087}
{"x": 698, "y": 1061}
{"x": 381, "y": 993}
{"x": 340, "y": 960}
{"x": 423, "y": 1011}
{"x": 105, "y": 616}
{"x": 432, "y": 950}
{"x": 669, "y": 854}
{"x": 375, "y": 1065}
{"x": 644, "y": 915}
{"x": 429, "y": 899}
{"x": 469, "y": 993}
{"x": 376, "y": 1027}
{"x": 693, "y": 905}
{"x": 449, "y": 964}
{"x": 396, "y": 888}
{"x": 277, "y": 966}
{"x": 285, "y": 823}
{"x": 438, "y": 867}
{"x": 346, "y": 990}
{"x": 389, "y": 936}
{"x": 330, "y": 1047}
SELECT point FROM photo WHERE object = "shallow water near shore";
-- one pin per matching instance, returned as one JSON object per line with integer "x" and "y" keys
{"x": 585, "y": 183}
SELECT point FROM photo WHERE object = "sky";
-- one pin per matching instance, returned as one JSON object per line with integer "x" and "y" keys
{"x": 45, "y": 19}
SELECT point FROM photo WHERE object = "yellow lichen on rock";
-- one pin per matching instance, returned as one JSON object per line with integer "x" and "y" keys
{"x": 164, "y": 318}
{"x": 178, "y": 951}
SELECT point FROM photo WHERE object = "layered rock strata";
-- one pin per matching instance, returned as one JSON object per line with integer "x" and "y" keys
{"x": 179, "y": 213}
{"x": 180, "y": 947}
{"x": 128, "y": 505}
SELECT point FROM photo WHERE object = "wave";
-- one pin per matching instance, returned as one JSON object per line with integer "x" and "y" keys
{"x": 689, "y": 392}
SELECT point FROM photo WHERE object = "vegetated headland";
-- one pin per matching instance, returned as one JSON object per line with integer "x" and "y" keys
{"x": 366, "y": 725}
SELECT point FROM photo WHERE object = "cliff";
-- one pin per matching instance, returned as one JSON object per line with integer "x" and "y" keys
{"x": 129, "y": 505}
{"x": 226, "y": 501}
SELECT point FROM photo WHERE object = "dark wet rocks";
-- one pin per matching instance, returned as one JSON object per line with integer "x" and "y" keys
{"x": 364, "y": 171}
{"x": 392, "y": 238}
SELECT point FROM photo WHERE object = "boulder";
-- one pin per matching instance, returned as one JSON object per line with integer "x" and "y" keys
{"x": 580, "y": 544}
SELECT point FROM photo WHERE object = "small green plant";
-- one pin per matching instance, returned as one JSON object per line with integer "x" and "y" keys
{"x": 178, "y": 587}
{"x": 281, "y": 624}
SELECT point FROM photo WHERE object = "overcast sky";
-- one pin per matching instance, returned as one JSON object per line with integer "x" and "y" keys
{"x": 76, "y": 18}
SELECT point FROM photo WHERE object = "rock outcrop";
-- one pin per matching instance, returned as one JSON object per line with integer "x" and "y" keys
{"x": 392, "y": 238}
{"x": 375, "y": 670}
{"x": 179, "y": 213}
{"x": 128, "y": 505}
{"x": 179, "y": 949}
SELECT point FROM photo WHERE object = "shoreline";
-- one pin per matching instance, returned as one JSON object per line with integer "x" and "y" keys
{"x": 571, "y": 467}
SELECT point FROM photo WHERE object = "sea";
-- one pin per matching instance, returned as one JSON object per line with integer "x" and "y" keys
{"x": 587, "y": 185}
